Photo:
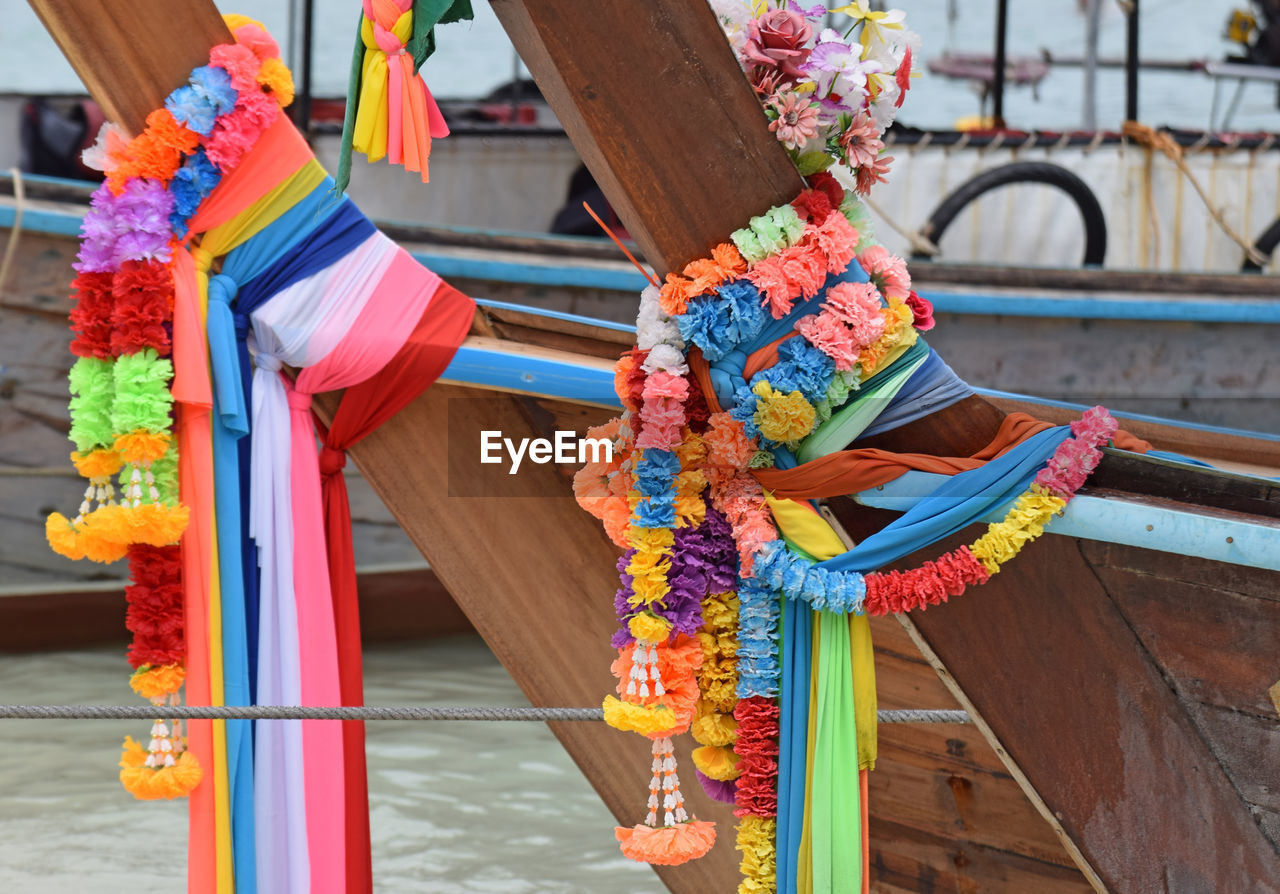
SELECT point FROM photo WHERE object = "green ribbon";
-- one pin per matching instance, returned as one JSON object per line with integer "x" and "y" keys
{"x": 834, "y": 792}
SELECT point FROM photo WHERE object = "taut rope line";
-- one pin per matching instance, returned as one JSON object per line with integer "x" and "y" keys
{"x": 368, "y": 712}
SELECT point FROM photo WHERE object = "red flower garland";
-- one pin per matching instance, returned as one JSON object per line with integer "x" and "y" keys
{"x": 155, "y": 607}
{"x": 143, "y": 303}
{"x": 757, "y": 750}
{"x": 91, "y": 315}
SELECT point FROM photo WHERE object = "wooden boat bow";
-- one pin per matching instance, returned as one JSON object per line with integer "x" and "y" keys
{"x": 1121, "y": 685}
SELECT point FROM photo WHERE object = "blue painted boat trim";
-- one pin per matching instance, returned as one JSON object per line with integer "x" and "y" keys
{"x": 46, "y": 180}
{"x": 555, "y": 315}
{"x": 40, "y": 220}
{"x": 451, "y": 266}
{"x": 1117, "y": 520}
{"x": 529, "y": 374}
{"x": 504, "y": 370}
{"x": 1086, "y": 307}
{"x": 1137, "y": 417}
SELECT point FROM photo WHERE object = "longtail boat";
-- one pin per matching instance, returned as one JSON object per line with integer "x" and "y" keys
{"x": 1117, "y": 673}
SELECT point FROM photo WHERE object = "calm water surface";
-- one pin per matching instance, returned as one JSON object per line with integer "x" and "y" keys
{"x": 455, "y": 807}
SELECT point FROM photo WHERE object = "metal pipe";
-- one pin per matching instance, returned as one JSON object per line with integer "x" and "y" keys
{"x": 997, "y": 87}
{"x": 1053, "y": 58}
{"x": 1092, "y": 15}
{"x": 304, "y": 93}
{"x": 1131, "y": 63}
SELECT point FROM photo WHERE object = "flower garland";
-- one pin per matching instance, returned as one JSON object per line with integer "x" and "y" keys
{"x": 932, "y": 583}
{"x": 713, "y": 569}
{"x": 165, "y": 769}
{"x": 680, "y": 476}
{"x": 121, "y": 406}
{"x": 757, "y": 713}
{"x": 673, "y": 458}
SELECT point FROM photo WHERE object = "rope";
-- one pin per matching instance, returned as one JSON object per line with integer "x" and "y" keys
{"x": 288, "y": 712}
{"x": 19, "y": 203}
{"x": 920, "y": 243}
{"x": 1153, "y": 140}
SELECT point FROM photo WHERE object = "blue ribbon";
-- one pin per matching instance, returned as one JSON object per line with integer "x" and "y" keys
{"x": 309, "y": 236}
{"x": 954, "y": 505}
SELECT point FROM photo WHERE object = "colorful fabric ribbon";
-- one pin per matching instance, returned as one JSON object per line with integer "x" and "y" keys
{"x": 305, "y": 277}
{"x": 390, "y": 111}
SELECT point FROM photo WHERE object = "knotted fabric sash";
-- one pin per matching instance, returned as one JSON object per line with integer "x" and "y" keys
{"x": 231, "y": 214}
{"x": 382, "y": 370}
{"x": 299, "y": 325}
{"x": 828, "y": 726}
{"x": 390, "y": 111}
{"x": 227, "y": 330}
{"x": 316, "y": 284}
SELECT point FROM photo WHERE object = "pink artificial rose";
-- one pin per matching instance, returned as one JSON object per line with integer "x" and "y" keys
{"x": 777, "y": 40}
{"x": 922, "y": 310}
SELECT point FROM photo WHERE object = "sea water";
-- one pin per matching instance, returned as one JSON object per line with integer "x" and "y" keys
{"x": 454, "y": 806}
{"x": 474, "y": 57}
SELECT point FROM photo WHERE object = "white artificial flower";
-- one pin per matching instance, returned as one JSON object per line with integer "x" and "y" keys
{"x": 734, "y": 16}
{"x": 665, "y": 358}
{"x": 884, "y": 111}
{"x": 653, "y": 327}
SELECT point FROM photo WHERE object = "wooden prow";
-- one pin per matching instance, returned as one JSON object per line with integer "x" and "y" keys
{"x": 658, "y": 109}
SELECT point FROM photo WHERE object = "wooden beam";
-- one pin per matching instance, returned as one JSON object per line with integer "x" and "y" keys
{"x": 131, "y": 54}
{"x": 659, "y": 110}
{"x": 533, "y": 572}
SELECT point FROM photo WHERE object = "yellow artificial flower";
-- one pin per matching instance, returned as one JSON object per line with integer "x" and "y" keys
{"x": 651, "y": 539}
{"x": 649, "y": 628}
{"x": 649, "y": 590}
{"x": 1021, "y": 524}
{"x": 647, "y": 720}
{"x": 874, "y": 23}
{"x": 713, "y": 727}
{"x": 756, "y": 836}
{"x": 782, "y": 417}
{"x": 717, "y": 761}
{"x": 276, "y": 77}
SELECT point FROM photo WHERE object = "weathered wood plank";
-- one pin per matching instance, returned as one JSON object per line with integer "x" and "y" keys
{"x": 1092, "y": 280}
{"x": 1189, "y": 569}
{"x": 908, "y": 861}
{"x": 1249, "y": 748}
{"x": 944, "y": 797}
{"x": 1154, "y": 477}
{"x": 1066, "y": 687}
{"x": 1211, "y": 644}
